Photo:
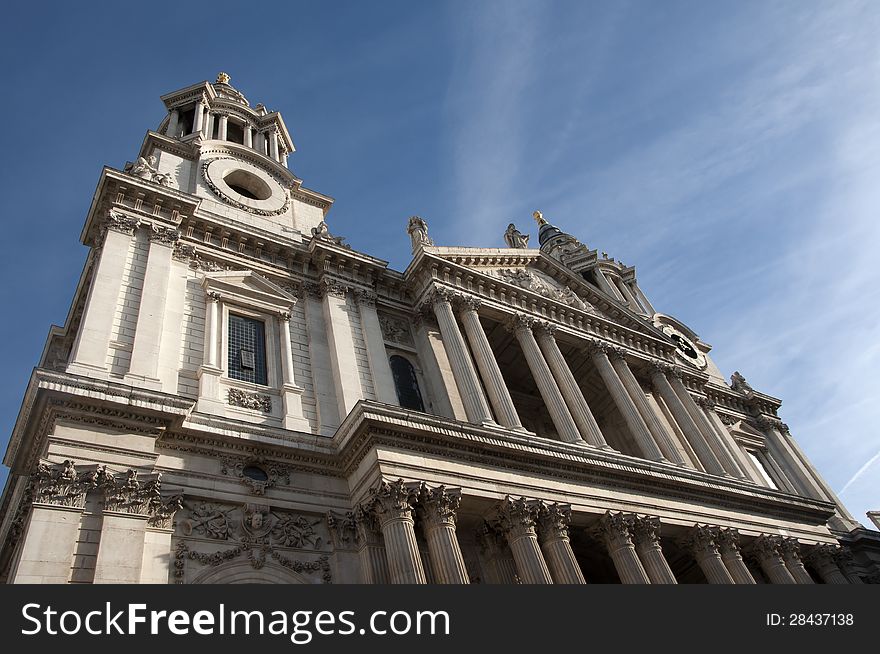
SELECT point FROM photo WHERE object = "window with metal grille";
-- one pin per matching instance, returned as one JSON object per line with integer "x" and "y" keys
{"x": 406, "y": 384}
{"x": 247, "y": 350}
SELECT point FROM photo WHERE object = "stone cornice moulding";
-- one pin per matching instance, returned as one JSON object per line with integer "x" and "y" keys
{"x": 137, "y": 197}
{"x": 498, "y": 257}
{"x": 371, "y": 423}
{"x": 637, "y": 336}
{"x": 45, "y": 383}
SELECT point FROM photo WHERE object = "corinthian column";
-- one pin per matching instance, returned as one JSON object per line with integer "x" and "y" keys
{"x": 624, "y": 403}
{"x": 565, "y": 426}
{"x": 616, "y": 530}
{"x": 571, "y": 392}
{"x": 727, "y": 541}
{"x": 392, "y": 504}
{"x": 646, "y": 533}
{"x": 766, "y": 549}
{"x": 701, "y": 543}
{"x": 822, "y": 558}
{"x": 790, "y": 550}
{"x": 724, "y": 456}
{"x": 475, "y": 405}
{"x": 516, "y": 520}
{"x": 685, "y": 422}
{"x": 496, "y": 387}
{"x": 437, "y": 507}
{"x": 657, "y": 429}
{"x": 553, "y": 521}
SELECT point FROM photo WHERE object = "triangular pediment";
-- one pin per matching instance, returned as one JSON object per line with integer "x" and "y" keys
{"x": 535, "y": 272}
{"x": 248, "y": 288}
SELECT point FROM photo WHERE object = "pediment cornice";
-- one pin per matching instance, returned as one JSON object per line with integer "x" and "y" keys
{"x": 469, "y": 271}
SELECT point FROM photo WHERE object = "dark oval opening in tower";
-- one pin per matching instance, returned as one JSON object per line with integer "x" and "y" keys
{"x": 247, "y": 185}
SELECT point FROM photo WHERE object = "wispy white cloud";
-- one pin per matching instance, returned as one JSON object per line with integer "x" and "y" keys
{"x": 861, "y": 471}
{"x": 752, "y": 214}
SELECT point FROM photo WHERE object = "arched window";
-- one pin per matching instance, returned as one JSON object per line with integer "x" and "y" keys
{"x": 406, "y": 384}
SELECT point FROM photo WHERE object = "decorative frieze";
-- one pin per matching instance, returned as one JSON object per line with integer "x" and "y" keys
{"x": 258, "y": 524}
{"x": 246, "y": 400}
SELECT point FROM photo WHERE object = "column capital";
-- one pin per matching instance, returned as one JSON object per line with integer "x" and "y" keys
{"x": 392, "y": 500}
{"x": 517, "y": 517}
{"x": 283, "y": 316}
{"x": 616, "y": 353}
{"x": 616, "y": 529}
{"x": 823, "y": 554}
{"x": 467, "y": 302}
{"x": 727, "y": 540}
{"x": 365, "y": 297}
{"x": 61, "y": 484}
{"x": 163, "y": 235}
{"x": 441, "y": 294}
{"x": 766, "y": 422}
{"x": 553, "y": 520}
{"x": 213, "y": 296}
{"x": 332, "y": 287}
{"x": 704, "y": 402}
{"x": 544, "y": 328}
{"x": 520, "y": 322}
{"x": 119, "y": 222}
{"x": 594, "y": 346}
{"x": 437, "y": 506}
{"x": 646, "y": 530}
{"x": 767, "y": 547}
{"x": 790, "y": 549}
{"x": 702, "y": 541}
{"x": 660, "y": 368}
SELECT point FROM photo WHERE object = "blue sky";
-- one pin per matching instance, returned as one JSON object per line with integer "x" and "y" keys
{"x": 728, "y": 150}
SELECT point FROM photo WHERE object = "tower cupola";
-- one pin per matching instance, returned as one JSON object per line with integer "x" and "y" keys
{"x": 218, "y": 111}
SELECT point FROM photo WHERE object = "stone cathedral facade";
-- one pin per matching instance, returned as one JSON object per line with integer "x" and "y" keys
{"x": 239, "y": 396}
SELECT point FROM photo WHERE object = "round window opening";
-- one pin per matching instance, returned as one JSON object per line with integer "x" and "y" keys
{"x": 255, "y": 472}
{"x": 247, "y": 185}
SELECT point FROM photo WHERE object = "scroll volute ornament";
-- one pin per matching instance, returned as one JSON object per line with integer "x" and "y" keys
{"x": 393, "y": 500}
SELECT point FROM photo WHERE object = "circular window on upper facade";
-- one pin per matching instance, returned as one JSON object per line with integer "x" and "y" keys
{"x": 245, "y": 186}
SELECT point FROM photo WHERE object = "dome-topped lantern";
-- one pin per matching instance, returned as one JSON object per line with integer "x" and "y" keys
{"x": 553, "y": 240}
{"x": 220, "y": 112}
{"x": 225, "y": 90}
